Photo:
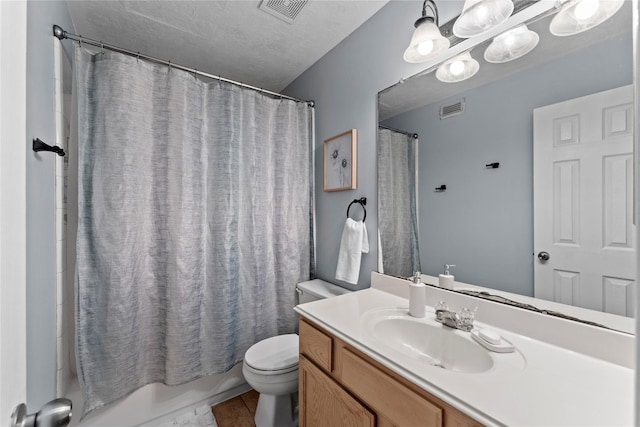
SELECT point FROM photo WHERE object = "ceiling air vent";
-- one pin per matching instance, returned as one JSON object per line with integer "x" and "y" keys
{"x": 451, "y": 110}
{"x": 287, "y": 10}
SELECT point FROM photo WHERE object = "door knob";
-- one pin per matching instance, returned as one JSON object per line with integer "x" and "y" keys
{"x": 543, "y": 256}
{"x": 56, "y": 413}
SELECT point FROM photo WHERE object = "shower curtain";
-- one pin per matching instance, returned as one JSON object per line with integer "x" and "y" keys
{"x": 195, "y": 222}
{"x": 397, "y": 204}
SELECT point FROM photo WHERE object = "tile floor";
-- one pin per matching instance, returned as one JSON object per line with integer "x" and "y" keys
{"x": 237, "y": 412}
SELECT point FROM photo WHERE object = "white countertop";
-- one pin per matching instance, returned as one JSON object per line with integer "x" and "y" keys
{"x": 551, "y": 386}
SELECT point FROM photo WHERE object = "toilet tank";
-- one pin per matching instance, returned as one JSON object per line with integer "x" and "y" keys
{"x": 316, "y": 289}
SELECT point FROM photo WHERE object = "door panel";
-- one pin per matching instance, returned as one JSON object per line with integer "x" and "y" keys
{"x": 583, "y": 202}
{"x": 617, "y": 195}
{"x": 566, "y": 200}
{"x": 13, "y": 163}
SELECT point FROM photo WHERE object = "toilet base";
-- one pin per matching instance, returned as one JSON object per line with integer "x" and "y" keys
{"x": 277, "y": 411}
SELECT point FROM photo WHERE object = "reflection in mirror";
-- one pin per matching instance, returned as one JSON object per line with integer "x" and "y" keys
{"x": 484, "y": 221}
{"x": 397, "y": 195}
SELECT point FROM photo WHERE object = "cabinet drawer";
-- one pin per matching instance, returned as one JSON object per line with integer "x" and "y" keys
{"x": 324, "y": 403}
{"x": 386, "y": 395}
{"x": 316, "y": 345}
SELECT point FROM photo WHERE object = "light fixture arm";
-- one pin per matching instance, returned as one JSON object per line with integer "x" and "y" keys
{"x": 431, "y": 17}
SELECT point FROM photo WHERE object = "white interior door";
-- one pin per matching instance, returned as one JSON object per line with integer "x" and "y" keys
{"x": 13, "y": 152}
{"x": 583, "y": 202}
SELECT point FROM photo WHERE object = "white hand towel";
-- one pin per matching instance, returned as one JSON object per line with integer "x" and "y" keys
{"x": 354, "y": 243}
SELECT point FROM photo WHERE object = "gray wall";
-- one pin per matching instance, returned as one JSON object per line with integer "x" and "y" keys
{"x": 345, "y": 84}
{"x": 41, "y": 238}
{"x": 483, "y": 223}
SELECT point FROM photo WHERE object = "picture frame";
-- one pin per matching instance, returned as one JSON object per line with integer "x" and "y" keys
{"x": 340, "y": 161}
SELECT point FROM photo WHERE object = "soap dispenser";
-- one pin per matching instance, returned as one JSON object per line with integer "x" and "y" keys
{"x": 417, "y": 296}
{"x": 445, "y": 280}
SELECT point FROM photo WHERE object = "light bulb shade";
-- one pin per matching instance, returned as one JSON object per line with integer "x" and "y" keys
{"x": 577, "y": 16}
{"x": 511, "y": 44}
{"x": 458, "y": 68}
{"x": 426, "y": 43}
{"x": 480, "y": 16}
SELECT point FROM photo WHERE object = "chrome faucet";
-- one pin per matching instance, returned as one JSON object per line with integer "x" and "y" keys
{"x": 448, "y": 318}
{"x": 462, "y": 320}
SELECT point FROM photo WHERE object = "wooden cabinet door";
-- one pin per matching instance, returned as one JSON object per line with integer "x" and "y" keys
{"x": 324, "y": 403}
{"x": 386, "y": 395}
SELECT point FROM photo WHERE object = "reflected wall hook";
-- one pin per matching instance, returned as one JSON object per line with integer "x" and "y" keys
{"x": 39, "y": 145}
{"x": 494, "y": 165}
{"x": 441, "y": 188}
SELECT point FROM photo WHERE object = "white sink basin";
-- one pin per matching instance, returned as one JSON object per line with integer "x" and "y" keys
{"x": 426, "y": 341}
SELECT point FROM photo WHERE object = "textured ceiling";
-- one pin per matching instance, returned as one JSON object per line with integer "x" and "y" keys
{"x": 229, "y": 38}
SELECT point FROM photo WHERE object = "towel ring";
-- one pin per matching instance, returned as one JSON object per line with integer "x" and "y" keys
{"x": 361, "y": 201}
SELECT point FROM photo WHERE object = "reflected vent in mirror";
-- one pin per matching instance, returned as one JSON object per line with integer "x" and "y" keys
{"x": 451, "y": 110}
{"x": 287, "y": 10}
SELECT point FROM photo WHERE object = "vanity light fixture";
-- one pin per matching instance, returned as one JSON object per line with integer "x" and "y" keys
{"x": 577, "y": 16}
{"x": 480, "y": 16}
{"x": 511, "y": 44}
{"x": 458, "y": 68}
{"x": 427, "y": 42}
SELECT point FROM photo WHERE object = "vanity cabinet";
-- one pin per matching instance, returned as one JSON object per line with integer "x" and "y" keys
{"x": 341, "y": 386}
{"x": 326, "y": 403}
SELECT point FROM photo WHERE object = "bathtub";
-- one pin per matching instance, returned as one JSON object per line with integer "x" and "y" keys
{"x": 157, "y": 403}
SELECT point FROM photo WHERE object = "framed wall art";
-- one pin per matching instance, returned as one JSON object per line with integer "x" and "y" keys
{"x": 340, "y": 158}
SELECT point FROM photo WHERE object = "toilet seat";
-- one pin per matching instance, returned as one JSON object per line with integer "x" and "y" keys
{"x": 273, "y": 356}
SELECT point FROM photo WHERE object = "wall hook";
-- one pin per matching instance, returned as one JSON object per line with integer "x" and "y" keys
{"x": 494, "y": 165}
{"x": 39, "y": 145}
{"x": 441, "y": 188}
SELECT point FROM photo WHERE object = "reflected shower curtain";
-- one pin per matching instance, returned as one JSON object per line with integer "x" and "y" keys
{"x": 195, "y": 223}
{"x": 397, "y": 204}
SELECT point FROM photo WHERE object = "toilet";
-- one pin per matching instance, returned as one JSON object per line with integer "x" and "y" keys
{"x": 271, "y": 366}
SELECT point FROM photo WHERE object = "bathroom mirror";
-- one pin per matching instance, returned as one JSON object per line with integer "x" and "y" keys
{"x": 463, "y": 192}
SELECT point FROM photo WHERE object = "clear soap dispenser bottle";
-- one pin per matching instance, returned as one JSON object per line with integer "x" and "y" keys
{"x": 445, "y": 280}
{"x": 417, "y": 296}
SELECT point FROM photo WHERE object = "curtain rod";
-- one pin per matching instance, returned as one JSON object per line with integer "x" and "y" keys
{"x": 413, "y": 135}
{"x": 62, "y": 34}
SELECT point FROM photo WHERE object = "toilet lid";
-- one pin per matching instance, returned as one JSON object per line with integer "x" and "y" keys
{"x": 273, "y": 354}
